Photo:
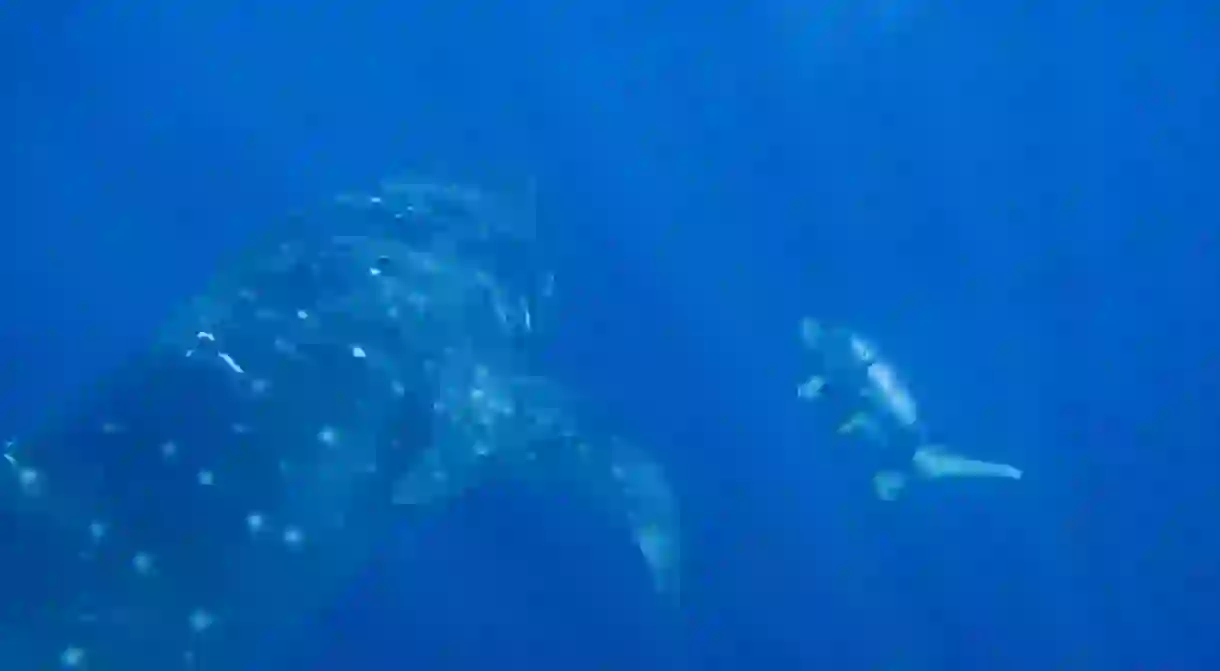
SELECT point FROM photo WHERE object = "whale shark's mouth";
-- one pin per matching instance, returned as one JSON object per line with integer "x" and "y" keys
{"x": 215, "y": 488}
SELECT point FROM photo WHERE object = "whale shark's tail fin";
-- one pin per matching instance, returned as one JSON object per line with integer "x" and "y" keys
{"x": 933, "y": 461}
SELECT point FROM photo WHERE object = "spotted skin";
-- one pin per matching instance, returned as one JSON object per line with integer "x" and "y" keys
{"x": 366, "y": 362}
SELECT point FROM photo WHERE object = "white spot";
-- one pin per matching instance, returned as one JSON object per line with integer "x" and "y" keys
{"x": 327, "y": 436}
{"x": 358, "y": 352}
{"x": 142, "y": 562}
{"x": 293, "y": 537}
{"x": 201, "y": 621}
{"x": 207, "y": 478}
{"x": 399, "y": 388}
{"x": 97, "y": 531}
{"x": 375, "y": 200}
{"x": 284, "y": 347}
{"x": 169, "y": 449}
{"x": 232, "y": 364}
{"x": 255, "y": 522}
{"x": 482, "y": 449}
{"x": 374, "y": 271}
{"x": 204, "y": 335}
{"x": 73, "y": 657}
{"x": 301, "y": 314}
{"x": 30, "y": 479}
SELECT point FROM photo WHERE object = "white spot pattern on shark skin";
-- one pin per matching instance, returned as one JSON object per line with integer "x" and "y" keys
{"x": 201, "y": 621}
{"x": 217, "y": 484}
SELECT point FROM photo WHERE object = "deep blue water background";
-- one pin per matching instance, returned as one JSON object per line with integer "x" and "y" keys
{"x": 1017, "y": 200}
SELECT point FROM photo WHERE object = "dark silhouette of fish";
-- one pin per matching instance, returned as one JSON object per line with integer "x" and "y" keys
{"x": 368, "y": 359}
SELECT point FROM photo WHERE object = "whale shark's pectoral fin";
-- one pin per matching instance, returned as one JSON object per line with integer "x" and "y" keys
{"x": 932, "y": 461}
{"x": 443, "y": 471}
{"x": 624, "y": 482}
{"x": 639, "y": 490}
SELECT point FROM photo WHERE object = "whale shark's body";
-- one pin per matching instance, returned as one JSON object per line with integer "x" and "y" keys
{"x": 368, "y": 360}
{"x": 873, "y": 404}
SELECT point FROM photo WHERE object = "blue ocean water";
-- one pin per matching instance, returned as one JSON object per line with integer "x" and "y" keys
{"x": 1016, "y": 200}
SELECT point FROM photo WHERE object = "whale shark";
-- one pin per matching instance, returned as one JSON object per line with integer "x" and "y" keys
{"x": 365, "y": 361}
{"x": 872, "y": 405}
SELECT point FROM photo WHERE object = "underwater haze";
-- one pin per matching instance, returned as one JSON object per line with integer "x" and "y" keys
{"x": 455, "y": 335}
